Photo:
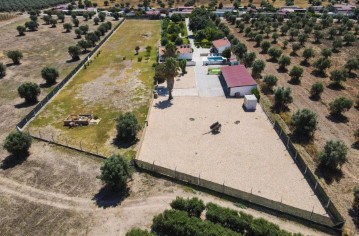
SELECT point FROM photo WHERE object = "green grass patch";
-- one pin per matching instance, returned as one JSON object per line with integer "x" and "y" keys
{"x": 128, "y": 82}
{"x": 214, "y": 71}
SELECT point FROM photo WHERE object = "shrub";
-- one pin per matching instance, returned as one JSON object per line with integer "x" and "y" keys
{"x": 352, "y": 64}
{"x": 226, "y": 53}
{"x": 326, "y": 52}
{"x": 193, "y": 206}
{"x": 139, "y": 59}
{"x": 295, "y": 48}
{"x": 31, "y": 25}
{"x": 2, "y": 70}
{"x": 307, "y": 54}
{"x": 67, "y": 27}
{"x": 321, "y": 64}
{"x": 249, "y": 58}
{"x": 127, "y": 127}
{"x": 15, "y": 56}
{"x": 304, "y": 122}
{"x": 18, "y": 143}
{"x": 340, "y": 105}
{"x": 256, "y": 93}
{"x": 265, "y": 45}
{"x": 337, "y": 43}
{"x": 282, "y": 97}
{"x": 76, "y": 22}
{"x": 295, "y": 74}
{"x": 316, "y": 89}
{"x": 49, "y": 74}
{"x": 139, "y": 232}
{"x": 270, "y": 81}
{"x": 115, "y": 172}
{"x": 29, "y": 91}
{"x": 349, "y": 38}
{"x": 333, "y": 155}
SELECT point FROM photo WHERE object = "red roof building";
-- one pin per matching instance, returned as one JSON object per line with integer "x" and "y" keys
{"x": 221, "y": 44}
{"x": 238, "y": 80}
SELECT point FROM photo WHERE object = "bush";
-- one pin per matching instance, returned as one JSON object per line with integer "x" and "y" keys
{"x": 15, "y": 56}
{"x": 115, "y": 172}
{"x": 265, "y": 45}
{"x": 337, "y": 76}
{"x": 172, "y": 222}
{"x": 304, "y": 122}
{"x": 193, "y": 206}
{"x": 29, "y": 91}
{"x": 307, "y": 54}
{"x": 283, "y": 62}
{"x": 49, "y": 74}
{"x": 127, "y": 127}
{"x": 334, "y": 155}
{"x": 226, "y": 53}
{"x": 339, "y": 105}
{"x": 316, "y": 89}
{"x": 257, "y": 67}
{"x": 21, "y": 29}
{"x": 270, "y": 81}
{"x": 248, "y": 59}
{"x": 139, "y": 232}
{"x": 275, "y": 53}
{"x": 256, "y": 93}
{"x": 18, "y": 143}
{"x": 74, "y": 52}
{"x": 2, "y": 70}
{"x": 321, "y": 64}
{"x": 326, "y": 52}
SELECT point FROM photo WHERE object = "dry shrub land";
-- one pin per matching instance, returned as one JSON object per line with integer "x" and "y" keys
{"x": 340, "y": 186}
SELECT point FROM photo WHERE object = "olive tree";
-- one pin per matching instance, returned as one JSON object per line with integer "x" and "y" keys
{"x": 29, "y": 91}
{"x": 349, "y": 38}
{"x": 275, "y": 53}
{"x": 304, "y": 122}
{"x": 318, "y": 35}
{"x": 49, "y": 74}
{"x": 265, "y": 45}
{"x": 316, "y": 89}
{"x": 326, "y": 52}
{"x": 67, "y": 27}
{"x": 337, "y": 76}
{"x": 257, "y": 67}
{"x": 21, "y": 29}
{"x": 115, "y": 172}
{"x": 249, "y": 58}
{"x": 18, "y": 143}
{"x": 321, "y": 64}
{"x": 340, "y": 105}
{"x": 74, "y": 52}
{"x": 295, "y": 48}
{"x": 270, "y": 81}
{"x": 282, "y": 97}
{"x": 127, "y": 127}
{"x": 337, "y": 43}
{"x": 352, "y": 64}
{"x": 15, "y": 56}
{"x": 283, "y": 62}
{"x": 333, "y": 155}
{"x": 295, "y": 74}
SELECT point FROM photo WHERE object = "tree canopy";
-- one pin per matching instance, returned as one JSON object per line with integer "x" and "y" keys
{"x": 115, "y": 172}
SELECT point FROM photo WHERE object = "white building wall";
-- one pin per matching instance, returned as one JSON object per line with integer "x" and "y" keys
{"x": 245, "y": 90}
{"x": 186, "y": 56}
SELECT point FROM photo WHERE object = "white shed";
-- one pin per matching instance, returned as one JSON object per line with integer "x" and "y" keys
{"x": 238, "y": 80}
{"x": 250, "y": 102}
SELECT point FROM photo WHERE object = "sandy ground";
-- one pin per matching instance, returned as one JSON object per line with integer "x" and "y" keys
{"x": 247, "y": 154}
{"x": 55, "y": 192}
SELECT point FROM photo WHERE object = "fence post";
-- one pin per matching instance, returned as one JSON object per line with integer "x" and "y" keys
{"x": 199, "y": 178}
{"x": 223, "y": 187}
{"x": 306, "y": 168}
{"x": 52, "y": 137}
{"x": 39, "y": 133}
{"x": 153, "y": 166}
{"x": 280, "y": 132}
{"x": 316, "y": 184}
{"x": 250, "y": 199}
{"x": 311, "y": 213}
{"x": 80, "y": 145}
{"x": 328, "y": 203}
{"x": 288, "y": 142}
{"x": 96, "y": 150}
{"x": 296, "y": 154}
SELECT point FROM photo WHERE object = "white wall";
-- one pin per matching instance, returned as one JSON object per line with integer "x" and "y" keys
{"x": 186, "y": 56}
{"x": 245, "y": 90}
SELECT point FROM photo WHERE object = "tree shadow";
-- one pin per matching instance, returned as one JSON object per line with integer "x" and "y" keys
{"x": 354, "y": 217}
{"x": 273, "y": 60}
{"x": 301, "y": 138}
{"x": 72, "y": 60}
{"x": 13, "y": 160}
{"x": 124, "y": 144}
{"x": 47, "y": 85}
{"x": 335, "y": 86}
{"x": 13, "y": 64}
{"x": 329, "y": 175}
{"x": 282, "y": 70}
{"x": 25, "y": 104}
{"x": 294, "y": 82}
{"x": 352, "y": 75}
{"x": 355, "y": 145}
{"x": 314, "y": 98}
{"x": 19, "y": 36}
{"x": 163, "y": 104}
{"x": 304, "y": 63}
{"x": 319, "y": 74}
{"x": 340, "y": 118}
{"x": 279, "y": 109}
{"x": 107, "y": 197}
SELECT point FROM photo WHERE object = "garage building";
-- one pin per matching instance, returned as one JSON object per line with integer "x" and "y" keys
{"x": 238, "y": 80}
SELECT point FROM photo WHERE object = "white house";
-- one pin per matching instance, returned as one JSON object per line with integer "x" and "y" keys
{"x": 238, "y": 80}
{"x": 220, "y": 45}
{"x": 183, "y": 52}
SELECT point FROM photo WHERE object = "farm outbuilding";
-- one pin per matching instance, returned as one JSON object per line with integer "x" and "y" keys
{"x": 238, "y": 80}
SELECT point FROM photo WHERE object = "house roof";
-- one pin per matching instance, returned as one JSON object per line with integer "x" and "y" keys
{"x": 237, "y": 76}
{"x": 181, "y": 50}
{"x": 153, "y": 12}
{"x": 221, "y": 43}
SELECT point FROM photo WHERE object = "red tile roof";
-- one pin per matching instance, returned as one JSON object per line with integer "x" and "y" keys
{"x": 221, "y": 43}
{"x": 181, "y": 50}
{"x": 237, "y": 76}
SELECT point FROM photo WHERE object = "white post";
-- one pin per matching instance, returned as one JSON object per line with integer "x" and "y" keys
{"x": 306, "y": 168}
{"x": 316, "y": 184}
{"x": 312, "y": 213}
{"x": 296, "y": 154}
{"x": 328, "y": 204}
{"x": 288, "y": 142}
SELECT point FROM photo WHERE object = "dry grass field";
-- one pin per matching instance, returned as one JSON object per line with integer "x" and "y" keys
{"x": 340, "y": 187}
{"x": 115, "y": 82}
